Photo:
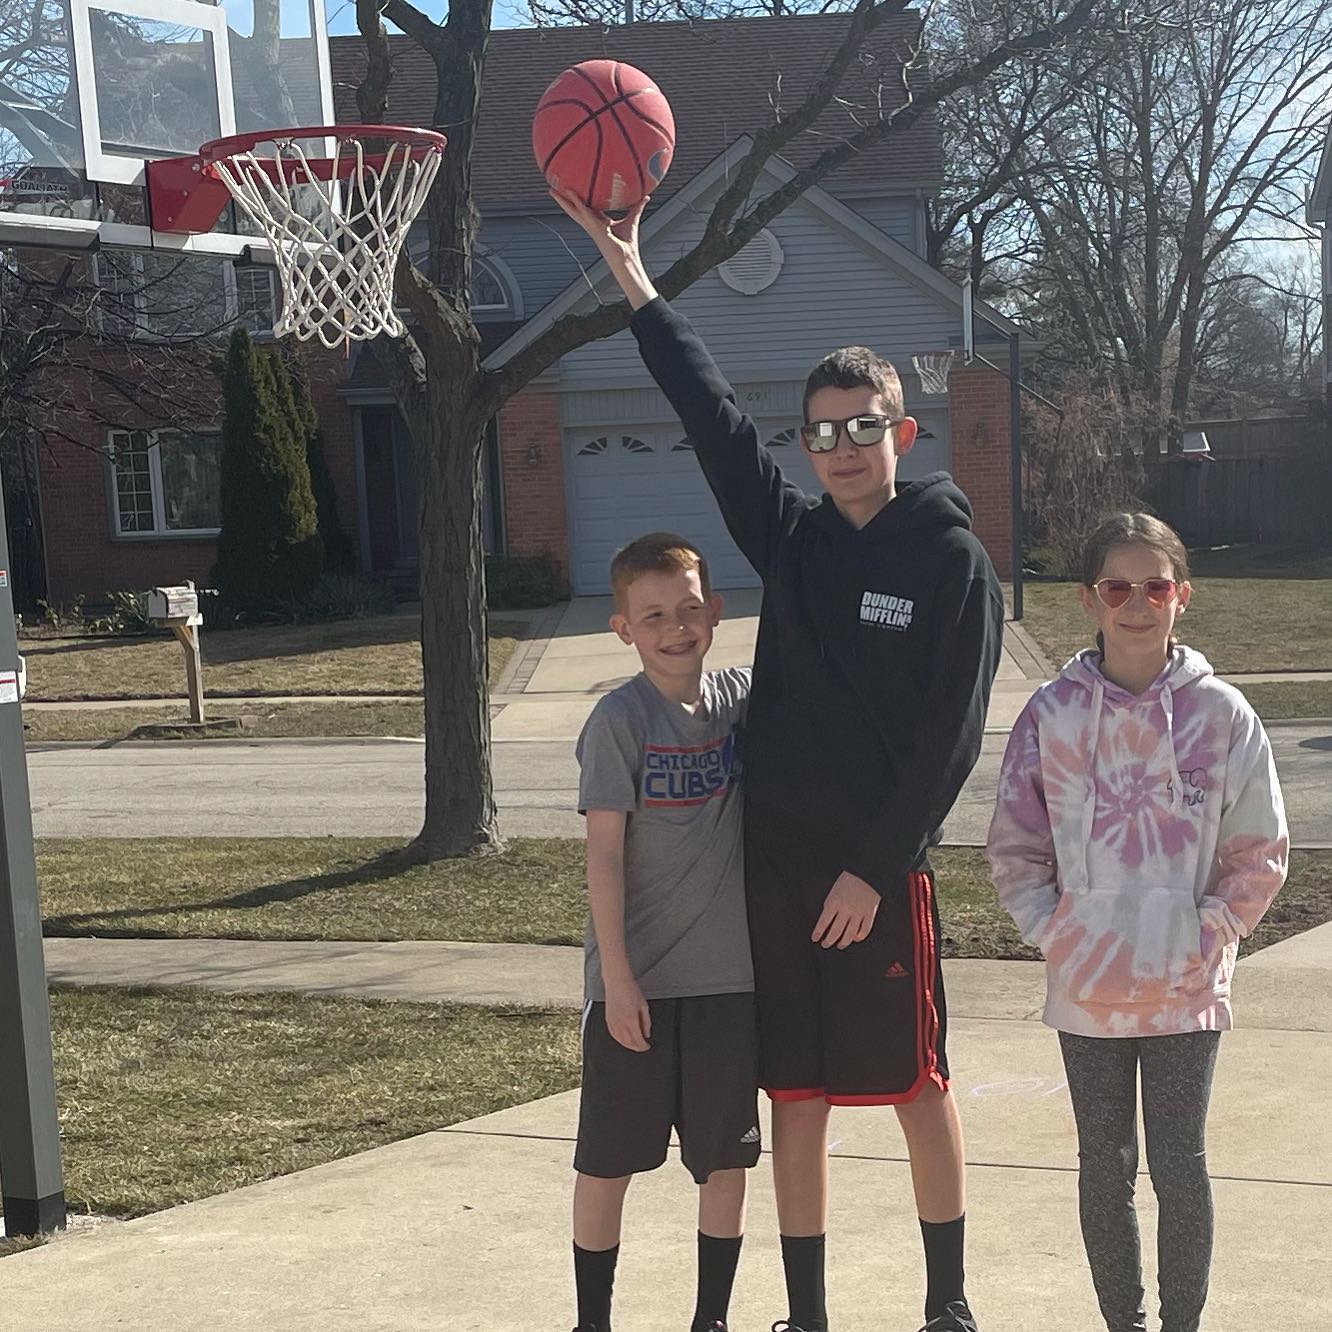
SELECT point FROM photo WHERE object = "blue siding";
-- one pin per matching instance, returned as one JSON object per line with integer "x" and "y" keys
{"x": 831, "y": 291}
{"x": 543, "y": 253}
{"x": 896, "y": 216}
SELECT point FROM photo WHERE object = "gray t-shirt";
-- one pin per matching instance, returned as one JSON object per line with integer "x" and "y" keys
{"x": 676, "y": 776}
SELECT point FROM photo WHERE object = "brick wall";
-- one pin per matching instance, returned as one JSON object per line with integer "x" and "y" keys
{"x": 84, "y": 556}
{"x": 532, "y": 465}
{"x": 978, "y": 428}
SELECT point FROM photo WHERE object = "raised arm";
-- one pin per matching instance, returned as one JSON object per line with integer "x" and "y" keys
{"x": 756, "y": 501}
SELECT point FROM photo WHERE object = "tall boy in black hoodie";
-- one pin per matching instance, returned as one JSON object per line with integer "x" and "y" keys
{"x": 878, "y": 641}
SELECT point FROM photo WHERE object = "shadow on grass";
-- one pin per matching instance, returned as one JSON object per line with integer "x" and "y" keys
{"x": 381, "y": 869}
{"x": 62, "y": 647}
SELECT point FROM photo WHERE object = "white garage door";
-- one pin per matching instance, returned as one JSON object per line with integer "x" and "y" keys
{"x": 629, "y": 480}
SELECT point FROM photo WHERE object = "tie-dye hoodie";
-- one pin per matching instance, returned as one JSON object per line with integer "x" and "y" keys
{"x": 1135, "y": 840}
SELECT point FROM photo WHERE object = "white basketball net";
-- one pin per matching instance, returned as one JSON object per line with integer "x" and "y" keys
{"x": 932, "y": 368}
{"x": 336, "y": 241}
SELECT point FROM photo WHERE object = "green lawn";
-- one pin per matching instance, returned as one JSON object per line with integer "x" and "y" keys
{"x": 333, "y": 888}
{"x": 372, "y": 655}
{"x": 1252, "y": 610}
{"x": 171, "y": 1095}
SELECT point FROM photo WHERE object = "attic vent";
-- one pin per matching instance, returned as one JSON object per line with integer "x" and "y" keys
{"x": 755, "y": 268}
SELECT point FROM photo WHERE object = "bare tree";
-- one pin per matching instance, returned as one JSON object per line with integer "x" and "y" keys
{"x": 611, "y": 13}
{"x": 1194, "y": 132}
{"x": 1078, "y": 465}
{"x": 1260, "y": 335}
{"x": 447, "y": 396}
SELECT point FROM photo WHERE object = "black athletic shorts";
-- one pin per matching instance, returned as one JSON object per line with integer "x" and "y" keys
{"x": 865, "y": 1025}
{"x": 699, "y": 1077}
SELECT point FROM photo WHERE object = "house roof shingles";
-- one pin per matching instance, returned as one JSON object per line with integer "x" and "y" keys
{"x": 723, "y": 78}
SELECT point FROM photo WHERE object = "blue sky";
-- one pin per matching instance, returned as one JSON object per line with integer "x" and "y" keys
{"x": 342, "y": 14}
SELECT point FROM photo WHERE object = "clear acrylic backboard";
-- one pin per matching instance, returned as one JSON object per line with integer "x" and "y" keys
{"x": 90, "y": 90}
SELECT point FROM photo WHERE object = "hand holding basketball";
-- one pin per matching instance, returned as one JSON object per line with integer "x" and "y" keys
{"x": 615, "y": 238}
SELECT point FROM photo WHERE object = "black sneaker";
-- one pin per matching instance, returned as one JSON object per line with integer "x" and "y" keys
{"x": 781, "y": 1325}
{"x": 956, "y": 1318}
{"x": 715, "y": 1326}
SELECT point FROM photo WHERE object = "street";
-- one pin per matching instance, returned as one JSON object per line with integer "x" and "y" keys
{"x": 292, "y": 788}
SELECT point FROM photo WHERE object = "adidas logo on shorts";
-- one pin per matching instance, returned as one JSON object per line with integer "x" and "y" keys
{"x": 752, "y": 1136}
{"x": 896, "y": 972}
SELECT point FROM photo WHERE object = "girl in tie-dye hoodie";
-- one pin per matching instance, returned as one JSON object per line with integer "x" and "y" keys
{"x": 1138, "y": 835}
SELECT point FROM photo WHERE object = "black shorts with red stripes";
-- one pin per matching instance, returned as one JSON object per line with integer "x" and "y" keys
{"x": 865, "y": 1025}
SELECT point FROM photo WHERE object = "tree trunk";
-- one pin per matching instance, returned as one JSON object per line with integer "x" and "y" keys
{"x": 1187, "y": 363}
{"x": 460, "y": 816}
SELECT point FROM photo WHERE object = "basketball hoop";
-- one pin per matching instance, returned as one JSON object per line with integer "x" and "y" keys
{"x": 336, "y": 225}
{"x": 932, "y": 369}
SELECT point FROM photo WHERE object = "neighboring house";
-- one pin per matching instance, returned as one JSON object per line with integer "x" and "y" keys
{"x": 129, "y": 477}
{"x": 590, "y": 454}
{"x": 1319, "y": 214}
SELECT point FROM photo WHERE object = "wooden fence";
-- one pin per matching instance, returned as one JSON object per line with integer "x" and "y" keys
{"x": 1223, "y": 500}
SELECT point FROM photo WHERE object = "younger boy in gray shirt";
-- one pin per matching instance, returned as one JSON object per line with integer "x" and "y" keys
{"x": 669, "y": 1030}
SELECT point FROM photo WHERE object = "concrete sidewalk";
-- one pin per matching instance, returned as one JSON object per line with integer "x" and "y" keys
{"x": 553, "y": 680}
{"x": 466, "y": 1228}
{"x": 1285, "y": 987}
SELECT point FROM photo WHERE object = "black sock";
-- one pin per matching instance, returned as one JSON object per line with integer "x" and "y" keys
{"x": 594, "y": 1276}
{"x": 943, "y": 1264}
{"x": 802, "y": 1257}
{"x": 717, "y": 1261}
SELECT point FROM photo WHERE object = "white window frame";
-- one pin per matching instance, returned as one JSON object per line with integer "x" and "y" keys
{"x": 231, "y": 285}
{"x": 479, "y": 261}
{"x": 160, "y": 532}
{"x": 124, "y": 170}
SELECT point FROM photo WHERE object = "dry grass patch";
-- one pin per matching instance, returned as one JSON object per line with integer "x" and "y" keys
{"x": 263, "y": 721}
{"x": 1238, "y": 624}
{"x": 171, "y": 1095}
{"x": 375, "y": 655}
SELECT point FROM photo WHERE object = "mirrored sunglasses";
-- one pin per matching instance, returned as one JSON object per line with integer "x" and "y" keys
{"x": 1115, "y": 592}
{"x": 863, "y": 431}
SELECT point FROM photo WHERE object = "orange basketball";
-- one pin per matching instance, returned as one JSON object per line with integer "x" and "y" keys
{"x": 604, "y": 131}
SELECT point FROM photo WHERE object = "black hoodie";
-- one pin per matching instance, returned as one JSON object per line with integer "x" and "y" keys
{"x": 876, "y": 647}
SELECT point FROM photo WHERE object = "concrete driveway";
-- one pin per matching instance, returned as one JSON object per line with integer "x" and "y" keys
{"x": 555, "y": 681}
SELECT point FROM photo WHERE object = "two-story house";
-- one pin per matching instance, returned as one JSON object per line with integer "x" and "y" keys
{"x": 590, "y": 454}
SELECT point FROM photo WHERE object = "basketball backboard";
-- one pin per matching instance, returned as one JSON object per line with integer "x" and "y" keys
{"x": 91, "y": 90}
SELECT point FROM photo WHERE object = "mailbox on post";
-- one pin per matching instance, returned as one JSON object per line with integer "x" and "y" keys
{"x": 175, "y": 604}
{"x": 177, "y": 608}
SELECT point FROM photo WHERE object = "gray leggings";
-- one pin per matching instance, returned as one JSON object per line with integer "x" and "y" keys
{"x": 1176, "y": 1085}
